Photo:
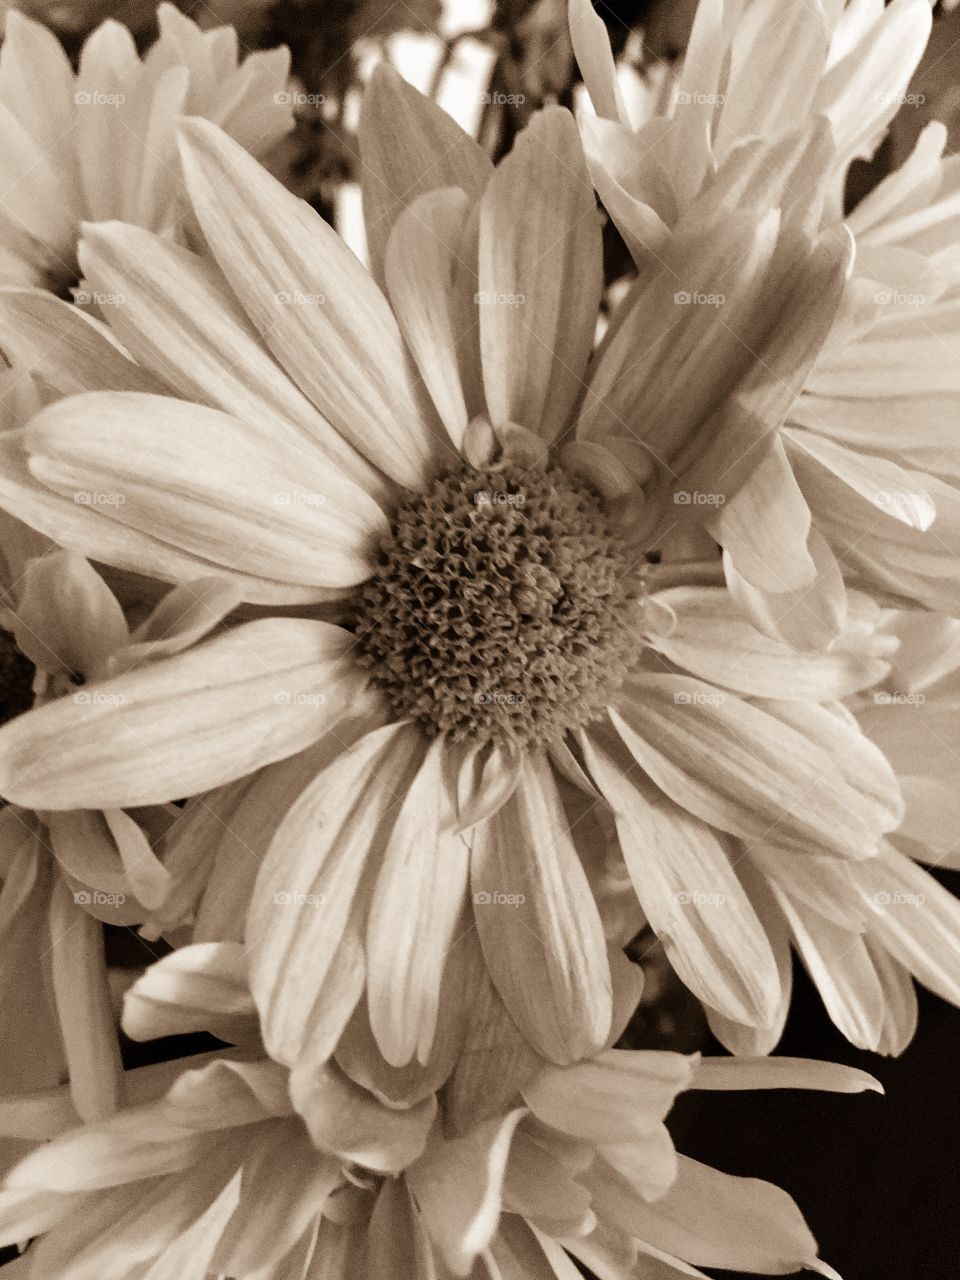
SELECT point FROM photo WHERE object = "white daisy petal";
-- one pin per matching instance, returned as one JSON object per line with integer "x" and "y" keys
{"x": 782, "y": 1073}
{"x": 313, "y": 303}
{"x": 408, "y": 147}
{"x": 78, "y": 521}
{"x": 715, "y": 1220}
{"x": 225, "y": 491}
{"x": 175, "y": 313}
{"x": 414, "y": 912}
{"x": 540, "y": 250}
{"x": 308, "y": 912}
{"x": 591, "y": 47}
{"x": 434, "y": 316}
{"x": 918, "y": 920}
{"x": 69, "y": 349}
{"x": 840, "y": 965}
{"x": 812, "y": 617}
{"x": 753, "y": 774}
{"x": 535, "y": 913}
{"x": 349, "y": 1122}
{"x": 198, "y": 988}
{"x": 712, "y": 640}
{"x": 255, "y": 694}
{"x": 83, "y": 1006}
{"x": 685, "y": 881}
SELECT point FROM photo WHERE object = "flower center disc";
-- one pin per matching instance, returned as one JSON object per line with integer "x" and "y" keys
{"x": 501, "y": 606}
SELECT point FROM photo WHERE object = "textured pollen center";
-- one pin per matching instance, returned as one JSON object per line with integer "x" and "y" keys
{"x": 16, "y": 680}
{"x": 501, "y": 606}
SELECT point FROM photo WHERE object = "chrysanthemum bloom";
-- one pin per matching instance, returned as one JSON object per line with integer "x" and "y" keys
{"x": 245, "y": 1169}
{"x": 753, "y": 73}
{"x": 100, "y": 143}
{"x": 482, "y": 561}
{"x": 64, "y": 872}
{"x": 864, "y": 464}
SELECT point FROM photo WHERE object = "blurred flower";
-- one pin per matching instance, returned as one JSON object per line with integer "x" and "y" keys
{"x": 100, "y": 143}
{"x": 578, "y": 1161}
{"x": 313, "y": 467}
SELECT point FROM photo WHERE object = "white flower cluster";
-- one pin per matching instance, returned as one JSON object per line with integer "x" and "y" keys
{"x": 388, "y": 652}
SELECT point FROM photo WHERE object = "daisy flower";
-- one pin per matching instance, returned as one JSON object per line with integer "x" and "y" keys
{"x": 447, "y": 481}
{"x": 752, "y": 73}
{"x": 100, "y": 143}
{"x": 851, "y": 485}
{"x": 64, "y": 872}
{"x": 579, "y": 1162}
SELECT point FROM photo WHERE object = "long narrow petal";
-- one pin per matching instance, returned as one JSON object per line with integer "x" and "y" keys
{"x": 540, "y": 277}
{"x": 437, "y": 318}
{"x": 255, "y": 694}
{"x": 313, "y": 303}
{"x": 176, "y": 315}
{"x": 782, "y": 1073}
{"x": 84, "y": 1007}
{"x": 231, "y": 493}
{"x": 409, "y": 146}
{"x": 535, "y": 913}
{"x": 712, "y": 1219}
{"x": 715, "y": 642}
{"x": 64, "y": 346}
{"x": 690, "y": 893}
{"x": 752, "y": 773}
{"x": 413, "y": 915}
{"x": 309, "y": 906}
{"x": 591, "y": 48}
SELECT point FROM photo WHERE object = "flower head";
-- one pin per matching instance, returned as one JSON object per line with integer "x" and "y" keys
{"x": 103, "y": 146}
{"x": 324, "y": 446}
{"x": 579, "y": 1160}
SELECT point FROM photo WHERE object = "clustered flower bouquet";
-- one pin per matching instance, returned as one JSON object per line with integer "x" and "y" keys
{"x": 390, "y": 643}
